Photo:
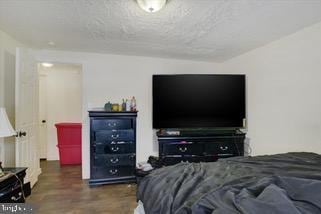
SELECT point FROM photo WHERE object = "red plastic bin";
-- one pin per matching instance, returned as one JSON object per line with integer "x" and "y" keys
{"x": 69, "y": 143}
{"x": 69, "y": 133}
{"x": 69, "y": 154}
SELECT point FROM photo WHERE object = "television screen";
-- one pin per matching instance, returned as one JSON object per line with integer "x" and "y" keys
{"x": 198, "y": 101}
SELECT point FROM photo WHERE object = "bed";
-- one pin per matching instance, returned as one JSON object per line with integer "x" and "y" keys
{"x": 282, "y": 183}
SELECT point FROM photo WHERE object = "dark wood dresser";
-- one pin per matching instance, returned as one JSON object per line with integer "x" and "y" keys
{"x": 12, "y": 187}
{"x": 112, "y": 147}
{"x": 198, "y": 146}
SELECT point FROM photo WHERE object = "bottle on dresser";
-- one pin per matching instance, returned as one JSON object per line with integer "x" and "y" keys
{"x": 133, "y": 104}
{"x": 127, "y": 105}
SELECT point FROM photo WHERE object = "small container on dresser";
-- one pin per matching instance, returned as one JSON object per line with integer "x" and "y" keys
{"x": 112, "y": 147}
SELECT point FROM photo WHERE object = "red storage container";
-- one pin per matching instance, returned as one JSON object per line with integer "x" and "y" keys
{"x": 69, "y": 143}
{"x": 69, "y": 133}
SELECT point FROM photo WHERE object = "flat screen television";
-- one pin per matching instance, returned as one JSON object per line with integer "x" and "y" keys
{"x": 198, "y": 101}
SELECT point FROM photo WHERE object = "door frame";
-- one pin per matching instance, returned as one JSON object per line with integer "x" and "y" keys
{"x": 39, "y": 61}
{"x": 42, "y": 126}
{"x": 61, "y": 58}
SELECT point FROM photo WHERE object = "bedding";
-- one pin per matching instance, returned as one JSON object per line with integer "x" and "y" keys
{"x": 283, "y": 183}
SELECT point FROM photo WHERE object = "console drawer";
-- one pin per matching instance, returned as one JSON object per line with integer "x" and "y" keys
{"x": 177, "y": 148}
{"x": 222, "y": 149}
{"x": 117, "y": 148}
{"x": 110, "y": 124}
{"x": 112, "y": 172}
{"x": 115, "y": 160}
{"x": 171, "y": 160}
{"x": 112, "y": 135}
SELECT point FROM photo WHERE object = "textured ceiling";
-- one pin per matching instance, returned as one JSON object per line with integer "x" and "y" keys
{"x": 209, "y": 30}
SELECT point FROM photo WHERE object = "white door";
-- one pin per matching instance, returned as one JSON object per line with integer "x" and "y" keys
{"x": 43, "y": 116}
{"x": 27, "y": 103}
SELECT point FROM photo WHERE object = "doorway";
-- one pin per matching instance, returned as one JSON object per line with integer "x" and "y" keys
{"x": 60, "y": 101}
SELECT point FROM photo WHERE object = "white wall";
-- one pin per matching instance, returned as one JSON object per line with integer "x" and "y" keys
{"x": 113, "y": 77}
{"x": 7, "y": 92}
{"x": 283, "y": 86}
{"x": 62, "y": 99}
{"x": 284, "y": 93}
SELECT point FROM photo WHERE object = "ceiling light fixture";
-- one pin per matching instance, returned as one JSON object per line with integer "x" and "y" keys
{"x": 46, "y": 64}
{"x": 151, "y": 6}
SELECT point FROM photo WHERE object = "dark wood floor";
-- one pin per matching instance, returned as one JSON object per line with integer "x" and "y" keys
{"x": 61, "y": 190}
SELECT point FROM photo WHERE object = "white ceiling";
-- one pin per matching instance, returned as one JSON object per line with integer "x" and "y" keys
{"x": 209, "y": 30}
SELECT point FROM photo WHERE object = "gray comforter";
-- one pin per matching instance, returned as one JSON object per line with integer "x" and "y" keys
{"x": 284, "y": 183}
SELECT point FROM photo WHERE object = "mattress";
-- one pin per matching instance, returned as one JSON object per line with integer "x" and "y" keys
{"x": 282, "y": 183}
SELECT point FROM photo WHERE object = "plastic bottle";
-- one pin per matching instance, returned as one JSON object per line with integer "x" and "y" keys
{"x": 127, "y": 105}
{"x": 133, "y": 104}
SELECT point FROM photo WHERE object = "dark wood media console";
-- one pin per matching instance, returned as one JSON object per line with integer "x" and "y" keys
{"x": 198, "y": 146}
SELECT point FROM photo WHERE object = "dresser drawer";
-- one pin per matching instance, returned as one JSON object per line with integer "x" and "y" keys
{"x": 112, "y": 172}
{"x": 114, "y": 148}
{"x": 112, "y": 135}
{"x": 14, "y": 195}
{"x": 110, "y": 124}
{"x": 115, "y": 160}
{"x": 223, "y": 149}
{"x": 177, "y": 148}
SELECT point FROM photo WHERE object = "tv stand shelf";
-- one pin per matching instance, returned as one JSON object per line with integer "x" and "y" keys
{"x": 198, "y": 146}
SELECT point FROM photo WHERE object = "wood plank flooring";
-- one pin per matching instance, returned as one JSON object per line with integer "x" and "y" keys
{"x": 61, "y": 190}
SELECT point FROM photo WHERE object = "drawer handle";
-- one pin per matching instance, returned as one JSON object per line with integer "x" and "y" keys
{"x": 224, "y": 148}
{"x": 132, "y": 156}
{"x": 183, "y": 149}
{"x": 114, "y": 160}
{"x": 115, "y": 136}
{"x": 115, "y": 149}
{"x": 112, "y": 124}
{"x": 118, "y": 142}
{"x": 18, "y": 198}
{"x": 113, "y": 171}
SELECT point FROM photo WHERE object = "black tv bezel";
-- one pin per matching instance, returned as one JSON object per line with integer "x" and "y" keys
{"x": 244, "y": 123}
